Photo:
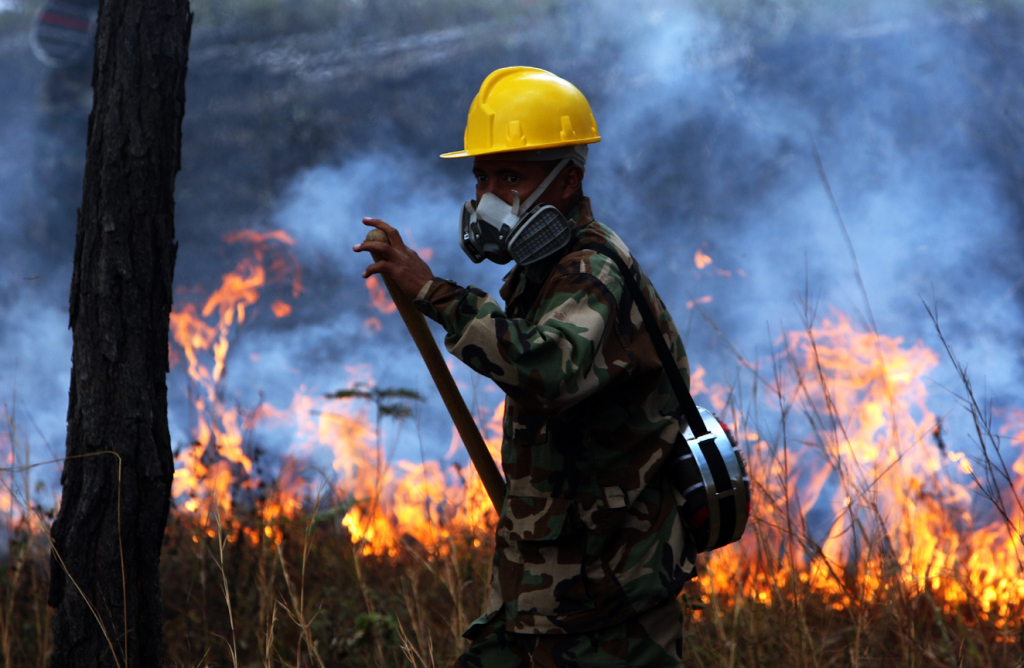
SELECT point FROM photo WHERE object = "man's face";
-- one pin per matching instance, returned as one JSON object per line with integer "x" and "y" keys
{"x": 501, "y": 176}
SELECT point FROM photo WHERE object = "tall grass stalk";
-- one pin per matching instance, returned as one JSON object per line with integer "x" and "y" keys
{"x": 297, "y": 596}
{"x": 19, "y": 551}
{"x": 226, "y": 589}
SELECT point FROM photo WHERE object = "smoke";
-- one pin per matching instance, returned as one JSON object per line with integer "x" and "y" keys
{"x": 709, "y": 137}
{"x": 710, "y": 125}
{"x": 35, "y": 344}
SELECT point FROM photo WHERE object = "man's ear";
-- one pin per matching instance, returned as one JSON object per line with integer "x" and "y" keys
{"x": 572, "y": 180}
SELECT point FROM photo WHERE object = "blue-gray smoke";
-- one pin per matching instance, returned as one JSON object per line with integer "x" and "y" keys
{"x": 709, "y": 129}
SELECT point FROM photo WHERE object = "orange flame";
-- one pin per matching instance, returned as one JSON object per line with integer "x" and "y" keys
{"x": 378, "y": 296}
{"x": 868, "y": 457}
{"x": 395, "y": 504}
{"x": 281, "y": 308}
{"x": 206, "y": 474}
{"x": 7, "y": 506}
{"x": 423, "y": 503}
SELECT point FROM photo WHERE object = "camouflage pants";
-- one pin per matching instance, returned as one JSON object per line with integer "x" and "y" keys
{"x": 653, "y": 639}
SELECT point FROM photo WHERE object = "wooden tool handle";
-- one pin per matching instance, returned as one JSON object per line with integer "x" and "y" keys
{"x": 417, "y": 325}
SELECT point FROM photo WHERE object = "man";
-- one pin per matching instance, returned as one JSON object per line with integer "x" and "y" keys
{"x": 590, "y": 553}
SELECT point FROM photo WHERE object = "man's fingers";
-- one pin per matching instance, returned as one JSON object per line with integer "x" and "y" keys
{"x": 395, "y": 260}
{"x": 393, "y": 235}
{"x": 375, "y": 268}
{"x": 378, "y": 248}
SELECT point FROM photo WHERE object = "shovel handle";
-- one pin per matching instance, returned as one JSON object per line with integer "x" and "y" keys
{"x": 453, "y": 401}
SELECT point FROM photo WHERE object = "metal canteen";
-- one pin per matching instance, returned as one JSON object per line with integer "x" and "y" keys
{"x": 709, "y": 472}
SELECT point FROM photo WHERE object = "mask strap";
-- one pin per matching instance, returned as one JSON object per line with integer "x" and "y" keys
{"x": 525, "y": 206}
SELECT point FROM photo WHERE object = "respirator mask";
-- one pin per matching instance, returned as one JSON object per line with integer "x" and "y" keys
{"x": 493, "y": 230}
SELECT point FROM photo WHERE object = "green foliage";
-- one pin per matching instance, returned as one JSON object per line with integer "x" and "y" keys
{"x": 369, "y": 627}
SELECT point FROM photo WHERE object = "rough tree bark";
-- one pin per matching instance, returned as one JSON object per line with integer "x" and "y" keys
{"x": 104, "y": 568}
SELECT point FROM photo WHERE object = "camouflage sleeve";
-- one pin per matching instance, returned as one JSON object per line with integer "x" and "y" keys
{"x": 553, "y": 361}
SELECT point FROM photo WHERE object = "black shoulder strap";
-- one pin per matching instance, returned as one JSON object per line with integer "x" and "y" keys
{"x": 675, "y": 378}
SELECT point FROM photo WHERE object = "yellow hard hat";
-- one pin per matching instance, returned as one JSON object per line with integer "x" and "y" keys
{"x": 524, "y": 108}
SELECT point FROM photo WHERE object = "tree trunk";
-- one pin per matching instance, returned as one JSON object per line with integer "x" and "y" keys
{"x": 105, "y": 580}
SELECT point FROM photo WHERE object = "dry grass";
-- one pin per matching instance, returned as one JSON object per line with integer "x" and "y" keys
{"x": 313, "y": 599}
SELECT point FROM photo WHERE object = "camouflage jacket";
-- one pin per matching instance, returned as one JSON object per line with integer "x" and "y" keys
{"x": 589, "y": 533}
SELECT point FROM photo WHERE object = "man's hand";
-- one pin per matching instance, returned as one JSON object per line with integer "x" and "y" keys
{"x": 397, "y": 261}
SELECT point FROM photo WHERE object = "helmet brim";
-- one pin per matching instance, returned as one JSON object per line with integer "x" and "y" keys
{"x": 518, "y": 149}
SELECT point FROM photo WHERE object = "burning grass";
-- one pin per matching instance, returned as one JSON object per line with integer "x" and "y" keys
{"x": 920, "y": 564}
{"x": 874, "y": 539}
{"x": 255, "y": 589}
{"x": 873, "y": 542}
